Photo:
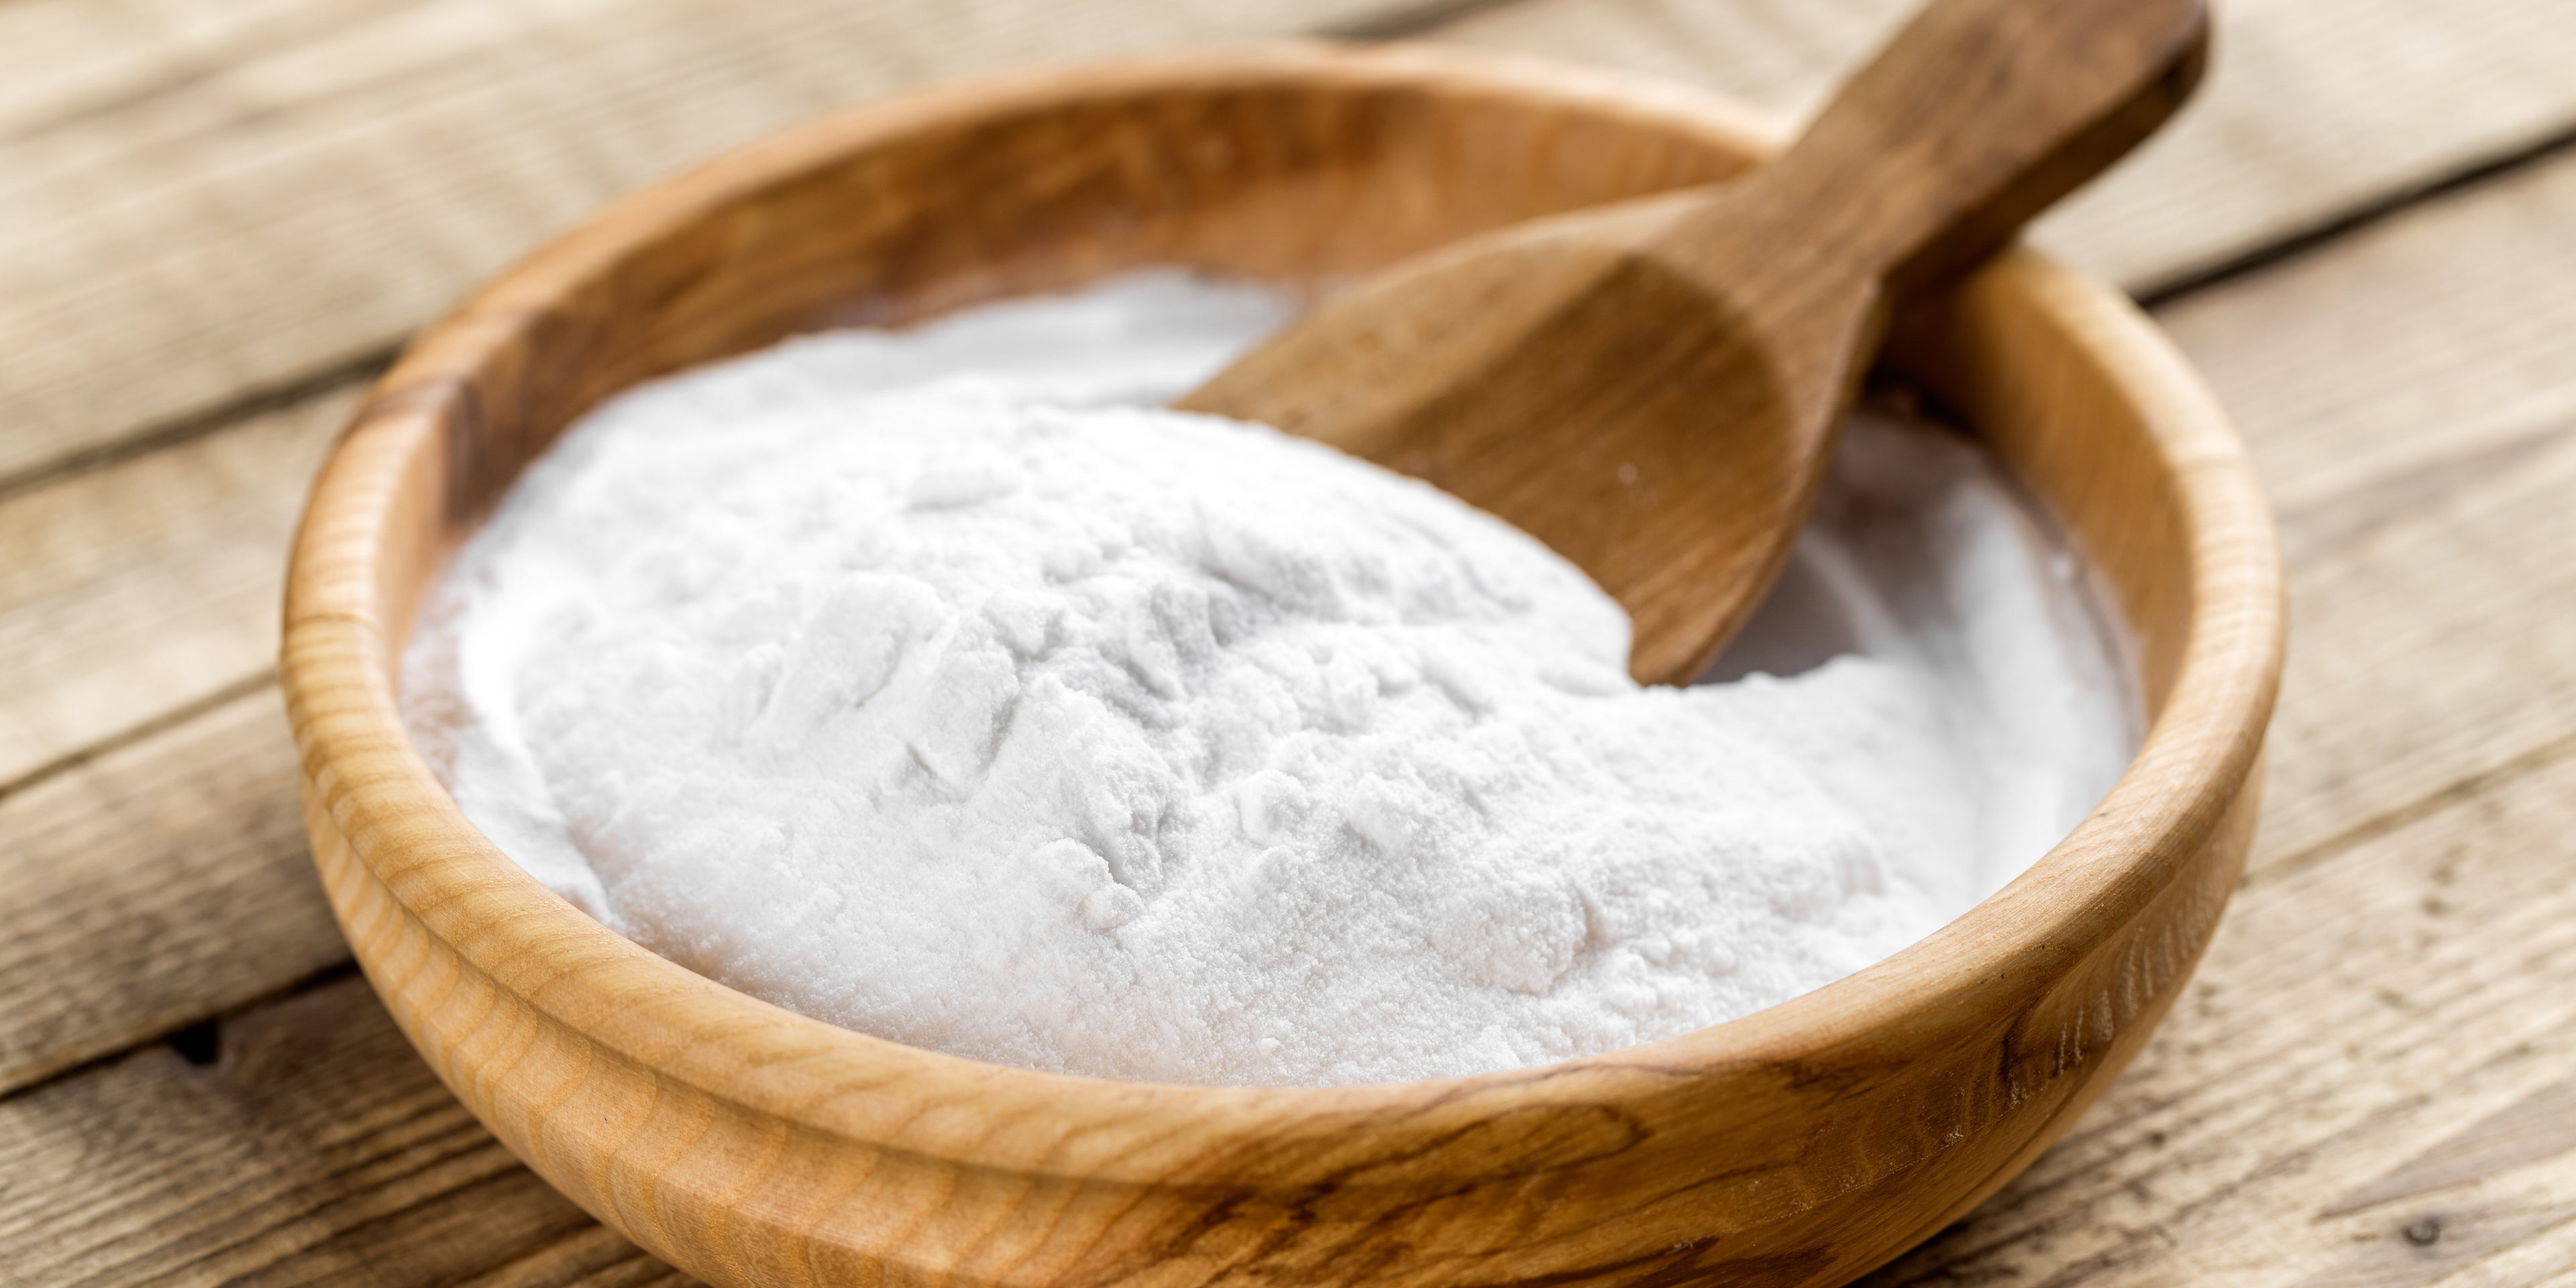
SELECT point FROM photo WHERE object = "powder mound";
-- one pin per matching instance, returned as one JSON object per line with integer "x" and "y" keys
{"x": 993, "y": 716}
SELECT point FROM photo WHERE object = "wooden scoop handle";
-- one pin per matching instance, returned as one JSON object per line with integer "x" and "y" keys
{"x": 1972, "y": 120}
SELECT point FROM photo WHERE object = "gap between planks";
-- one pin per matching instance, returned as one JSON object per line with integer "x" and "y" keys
{"x": 2295, "y": 241}
{"x": 154, "y": 886}
{"x": 148, "y": 585}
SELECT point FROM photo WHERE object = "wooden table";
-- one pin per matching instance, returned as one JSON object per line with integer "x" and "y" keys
{"x": 217, "y": 222}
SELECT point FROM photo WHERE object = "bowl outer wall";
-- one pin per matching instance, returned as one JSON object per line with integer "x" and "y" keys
{"x": 1802, "y": 1144}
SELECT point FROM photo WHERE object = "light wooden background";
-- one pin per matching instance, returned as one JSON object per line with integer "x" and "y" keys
{"x": 217, "y": 221}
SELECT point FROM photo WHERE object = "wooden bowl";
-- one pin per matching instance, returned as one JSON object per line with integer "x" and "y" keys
{"x": 748, "y": 1145}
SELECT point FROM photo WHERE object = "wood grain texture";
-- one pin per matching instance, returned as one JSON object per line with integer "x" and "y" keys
{"x": 2368, "y": 1083}
{"x": 203, "y": 201}
{"x": 142, "y": 587}
{"x": 111, "y": 868}
{"x": 300, "y": 1142}
{"x": 1798, "y": 1145}
{"x": 2314, "y": 108}
{"x": 145, "y": 769}
{"x": 1652, "y": 387}
{"x": 2410, "y": 396}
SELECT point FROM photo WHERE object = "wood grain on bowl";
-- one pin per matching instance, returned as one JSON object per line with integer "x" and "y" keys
{"x": 1800, "y": 1145}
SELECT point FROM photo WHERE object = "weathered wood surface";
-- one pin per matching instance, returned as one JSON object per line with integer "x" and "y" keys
{"x": 2383, "y": 1103}
{"x": 148, "y": 584}
{"x": 2369, "y": 1085}
{"x": 301, "y": 1142}
{"x": 154, "y": 885}
{"x": 2411, "y": 395}
{"x": 2314, "y": 109}
{"x": 203, "y": 202}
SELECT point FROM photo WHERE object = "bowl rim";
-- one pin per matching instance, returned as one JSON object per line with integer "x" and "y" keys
{"x": 362, "y": 772}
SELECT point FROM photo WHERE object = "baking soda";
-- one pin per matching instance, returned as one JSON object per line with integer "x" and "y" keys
{"x": 942, "y": 685}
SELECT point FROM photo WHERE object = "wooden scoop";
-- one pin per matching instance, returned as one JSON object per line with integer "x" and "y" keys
{"x": 1652, "y": 387}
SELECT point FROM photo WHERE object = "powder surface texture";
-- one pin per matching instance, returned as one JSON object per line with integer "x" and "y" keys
{"x": 941, "y": 685}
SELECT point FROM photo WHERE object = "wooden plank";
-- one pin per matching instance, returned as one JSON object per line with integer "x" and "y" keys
{"x": 2410, "y": 395}
{"x": 2313, "y": 107}
{"x": 153, "y": 886}
{"x": 145, "y": 771}
{"x": 2449, "y": 328}
{"x": 2369, "y": 1083}
{"x": 305, "y": 1143}
{"x": 149, "y": 584}
{"x": 2436, "y": 656}
{"x": 201, "y": 200}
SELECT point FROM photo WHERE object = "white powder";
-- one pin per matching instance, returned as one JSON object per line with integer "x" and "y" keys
{"x": 942, "y": 686}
